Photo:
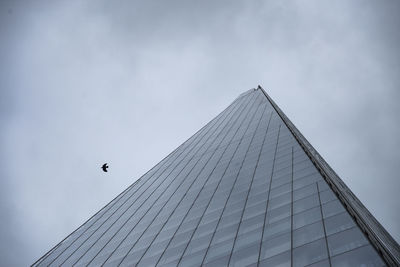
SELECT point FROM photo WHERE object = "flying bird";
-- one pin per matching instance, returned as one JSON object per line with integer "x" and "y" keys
{"x": 104, "y": 167}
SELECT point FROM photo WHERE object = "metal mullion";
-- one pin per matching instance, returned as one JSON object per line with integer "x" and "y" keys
{"x": 226, "y": 202}
{"x": 155, "y": 200}
{"x": 190, "y": 147}
{"x": 251, "y": 183}
{"x": 323, "y": 224}
{"x": 195, "y": 197}
{"x": 269, "y": 189}
{"x": 291, "y": 219}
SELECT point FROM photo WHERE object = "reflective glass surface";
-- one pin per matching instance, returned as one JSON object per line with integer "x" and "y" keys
{"x": 239, "y": 192}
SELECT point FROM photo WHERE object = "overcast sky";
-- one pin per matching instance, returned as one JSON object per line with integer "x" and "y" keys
{"x": 126, "y": 82}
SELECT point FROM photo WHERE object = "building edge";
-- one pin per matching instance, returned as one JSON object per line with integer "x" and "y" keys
{"x": 383, "y": 242}
{"x": 39, "y": 260}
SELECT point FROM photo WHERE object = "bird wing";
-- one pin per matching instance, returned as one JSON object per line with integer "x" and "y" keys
{"x": 104, "y": 167}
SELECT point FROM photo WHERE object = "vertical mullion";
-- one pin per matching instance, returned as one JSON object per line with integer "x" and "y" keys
{"x": 323, "y": 224}
{"x": 269, "y": 191}
{"x": 291, "y": 217}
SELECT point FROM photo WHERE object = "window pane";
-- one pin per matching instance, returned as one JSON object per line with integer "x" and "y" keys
{"x": 306, "y": 203}
{"x": 219, "y": 250}
{"x": 279, "y": 213}
{"x": 281, "y": 190}
{"x": 247, "y": 239}
{"x": 364, "y": 256}
{"x": 281, "y": 260}
{"x": 332, "y": 208}
{"x": 222, "y": 261}
{"x": 308, "y": 234}
{"x": 310, "y": 253}
{"x": 307, "y": 217}
{"x": 194, "y": 259}
{"x": 305, "y": 191}
{"x": 275, "y": 246}
{"x": 346, "y": 240}
{"x": 250, "y": 224}
{"x": 338, "y": 223}
{"x": 279, "y": 201}
{"x": 225, "y": 233}
{"x": 327, "y": 196}
{"x": 245, "y": 256}
{"x": 277, "y": 228}
{"x": 324, "y": 263}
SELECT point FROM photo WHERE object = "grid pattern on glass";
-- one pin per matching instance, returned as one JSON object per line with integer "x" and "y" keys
{"x": 240, "y": 192}
{"x": 176, "y": 178}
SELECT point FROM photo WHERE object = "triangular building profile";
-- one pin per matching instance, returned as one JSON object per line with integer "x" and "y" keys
{"x": 247, "y": 189}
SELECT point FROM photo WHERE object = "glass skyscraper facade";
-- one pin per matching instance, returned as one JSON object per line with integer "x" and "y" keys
{"x": 245, "y": 190}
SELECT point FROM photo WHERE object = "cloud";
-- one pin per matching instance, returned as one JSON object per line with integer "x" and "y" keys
{"x": 88, "y": 82}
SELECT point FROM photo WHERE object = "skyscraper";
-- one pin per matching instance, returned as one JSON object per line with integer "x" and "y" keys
{"x": 246, "y": 190}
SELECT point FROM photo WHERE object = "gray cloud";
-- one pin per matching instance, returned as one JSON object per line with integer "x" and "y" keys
{"x": 88, "y": 82}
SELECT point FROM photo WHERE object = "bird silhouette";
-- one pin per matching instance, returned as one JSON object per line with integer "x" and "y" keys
{"x": 104, "y": 167}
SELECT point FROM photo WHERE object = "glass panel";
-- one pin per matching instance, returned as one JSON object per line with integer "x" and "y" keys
{"x": 219, "y": 250}
{"x": 338, "y": 223}
{"x": 305, "y": 191}
{"x": 245, "y": 256}
{"x": 281, "y": 190}
{"x": 307, "y": 217}
{"x": 278, "y": 214}
{"x": 246, "y": 239}
{"x": 275, "y": 246}
{"x": 308, "y": 233}
{"x": 327, "y": 196}
{"x": 346, "y": 240}
{"x": 324, "y": 263}
{"x": 280, "y": 201}
{"x": 363, "y": 256}
{"x": 332, "y": 208}
{"x": 322, "y": 185}
{"x": 310, "y": 253}
{"x": 306, "y": 203}
{"x": 198, "y": 243}
{"x": 277, "y": 228}
{"x": 223, "y": 261}
{"x": 281, "y": 260}
{"x": 194, "y": 259}
{"x": 251, "y": 224}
